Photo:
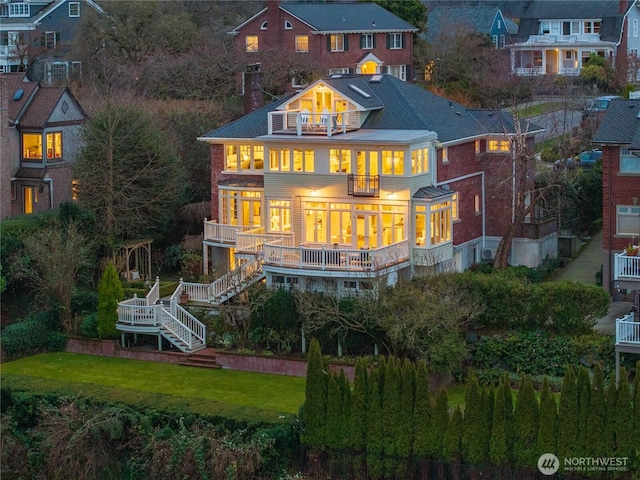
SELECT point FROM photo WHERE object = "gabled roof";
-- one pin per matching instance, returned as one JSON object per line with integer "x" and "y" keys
{"x": 620, "y": 124}
{"x": 478, "y": 19}
{"x": 18, "y": 101}
{"x": 393, "y": 105}
{"x": 39, "y": 14}
{"x": 41, "y": 107}
{"x": 605, "y": 10}
{"x": 431, "y": 192}
{"x": 342, "y": 17}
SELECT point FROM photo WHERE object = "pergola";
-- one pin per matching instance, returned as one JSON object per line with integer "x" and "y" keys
{"x": 133, "y": 259}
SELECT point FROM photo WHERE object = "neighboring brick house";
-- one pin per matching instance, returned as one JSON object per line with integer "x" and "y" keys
{"x": 42, "y": 130}
{"x": 558, "y": 36}
{"x": 36, "y": 36}
{"x": 359, "y": 177}
{"x": 361, "y": 38}
{"x": 619, "y": 137}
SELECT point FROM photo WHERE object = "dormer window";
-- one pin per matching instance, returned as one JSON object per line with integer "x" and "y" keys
{"x": 498, "y": 145}
{"x": 287, "y": 25}
{"x": 263, "y": 26}
{"x": 74, "y": 9}
{"x": 591, "y": 27}
{"x": 19, "y": 10}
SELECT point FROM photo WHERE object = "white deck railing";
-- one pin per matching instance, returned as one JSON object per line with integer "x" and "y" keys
{"x": 302, "y": 123}
{"x": 218, "y": 232}
{"x": 627, "y": 330}
{"x": 328, "y": 257}
{"x": 627, "y": 267}
{"x": 253, "y": 240}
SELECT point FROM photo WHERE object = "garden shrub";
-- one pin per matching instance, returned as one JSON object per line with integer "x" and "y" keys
{"x": 89, "y": 326}
{"x": 36, "y": 333}
{"x": 110, "y": 292}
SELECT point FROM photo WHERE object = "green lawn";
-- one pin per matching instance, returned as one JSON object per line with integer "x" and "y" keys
{"x": 240, "y": 395}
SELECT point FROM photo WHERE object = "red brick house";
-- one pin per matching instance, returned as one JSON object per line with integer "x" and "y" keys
{"x": 337, "y": 38}
{"x": 619, "y": 136}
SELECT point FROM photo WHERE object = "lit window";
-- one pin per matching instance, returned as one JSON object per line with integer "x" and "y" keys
{"x": 74, "y": 9}
{"x": 280, "y": 215}
{"x": 339, "y": 161}
{"x": 498, "y": 145}
{"x": 421, "y": 225}
{"x": 336, "y": 43}
{"x": 252, "y": 43}
{"x": 454, "y": 206}
{"x": 420, "y": 161}
{"x": 476, "y": 204}
{"x": 303, "y": 160}
{"x": 74, "y": 190}
{"x": 302, "y": 43}
{"x": 445, "y": 155}
{"x": 315, "y": 222}
{"x": 231, "y": 158}
{"x": 340, "y": 224}
{"x": 477, "y": 146}
{"x": 440, "y": 223}
{"x": 280, "y": 159}
{"x": 32, "y": 146}
{"x": 54, "y": 146}
{"x": 392, "y": 162}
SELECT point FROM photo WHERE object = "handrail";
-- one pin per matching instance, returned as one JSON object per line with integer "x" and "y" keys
{"x": 154, "y": 293}
{"x": 133, "y": 314}
{"x": 232, "y": 281}
{"x": 176, "y": 327}
{"x": 627, "y": 330}
{"x": 188, "y": 321}
{"x": 626, "y": 266}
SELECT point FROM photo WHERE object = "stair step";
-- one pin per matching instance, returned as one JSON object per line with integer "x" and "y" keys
{"x": 203, "y": 361}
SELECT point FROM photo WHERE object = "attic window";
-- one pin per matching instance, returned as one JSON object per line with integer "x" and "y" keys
{"x": 263, "y": 26}
{"x": 287, "y": 25}
{"x": 375, "y": 79}
{"x": 64, "y": 107}
{"x": 359, "y": 90}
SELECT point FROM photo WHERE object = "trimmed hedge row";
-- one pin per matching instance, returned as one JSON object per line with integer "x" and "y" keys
{"x": 37, "y": 333}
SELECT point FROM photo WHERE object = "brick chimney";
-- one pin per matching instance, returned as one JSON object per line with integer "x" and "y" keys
{"x": 622, "y": 6}
{"x": 253, "y": 88}
{"x": 274, "y": 24}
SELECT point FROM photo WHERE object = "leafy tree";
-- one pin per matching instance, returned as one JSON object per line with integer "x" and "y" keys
{"x": 50, "y": 264}
{"x": 498, "y": 452}
{"x": 568, "y": 416}
{"x": 359, "y": 407}
{"x": 526, "y": 424}
{"x": 315, "y": 405}
{"x": 475, "y": 437}
{"x": 110, "y": 292}
{"x": 412, "y": 11}
{"x": 128, "y": 173}
{"x": 422, "y": 413}
{"x": 548, "y": 424}
{"x": 597, "y": 70}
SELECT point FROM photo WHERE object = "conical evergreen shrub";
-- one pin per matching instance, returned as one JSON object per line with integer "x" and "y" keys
{"x": 358, "y": 431}
{"x": 422, "y": 413}
{"x": 526, "y": 424}
{"x": 548, "y": 424}
{"x": 110, "y": 292}
{"x": 315, "y": 405}
{"x": 498, "y": 441}
{"x": 475, "y": 438}
{"x": 568, "y": 416}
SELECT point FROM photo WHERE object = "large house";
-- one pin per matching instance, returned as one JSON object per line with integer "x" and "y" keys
{"x": 36, "y": 35}
{"x": 359, "y": 178}
{"x": 558, "y": 36}
{"x": 40, "y": 140}
{"x": 340, "y": 38}
{"x": 444, "y": 22}
{"x": 619, "y": 136}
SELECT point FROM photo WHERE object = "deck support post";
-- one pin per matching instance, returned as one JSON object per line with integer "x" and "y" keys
{"x": 159, "y": 342}
{"x": 617, "y": 367}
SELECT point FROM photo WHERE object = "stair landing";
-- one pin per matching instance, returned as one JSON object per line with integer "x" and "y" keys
{"x": 205, "y": 358}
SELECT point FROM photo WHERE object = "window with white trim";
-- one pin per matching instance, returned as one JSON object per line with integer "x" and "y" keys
{"x": 366, "y": 41}
{"x": 454, "y": 206}
{"x": 420, "y": 161}
{"x": 398, "y": 71}
{"x": 251, "y": 43}
{"x": 629, "y": 163}
{"x": 19, "y": 10}
{"x": 280, "y": 215}
{"x": 302, "y": 43}
{"x": 287, "y": 25}
{"x": 74, "y": 9}
{"x": 338, "y": 71}
{"x": 263, "y": 26}
{"x": 279, "y": 159}
{"x": 440, "y": 223}
{"x": 337, "y": 42}
{"x": 56, "y": 72}
{"x": 339, "y": 161}
{"x": 54, "y": 146}
{"x": 591, "y": 27}
{"x": 303, "y": 160}
{"x": 634, "y": 28}
{"x": 393, "y": 162}
{"x": 498, "y": 145}
{"x": 445, "y": 154}
{"x": 395, "y": 40}
{"x": 628, "y": 220}
{"x": 51, "y": 39}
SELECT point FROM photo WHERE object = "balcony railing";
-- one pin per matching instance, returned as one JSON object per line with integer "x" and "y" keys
{"x": 306, "y": 123}
{"x": 627, "y": 267}
{"x": 221, "y": 233}
{"x": 627, "y": 330}
{"x": 332, "y": 257}
{"x": 254, "y": 239}
{"x": 363, "y": 185}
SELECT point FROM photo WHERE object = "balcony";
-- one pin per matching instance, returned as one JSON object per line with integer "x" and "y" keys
{"x": 627, "y": 267}
{"x": 333, "y": 257}
{"x": 363, "y": 185}
{"x": 307, "y": 123}
{"x": 628, "y": 333}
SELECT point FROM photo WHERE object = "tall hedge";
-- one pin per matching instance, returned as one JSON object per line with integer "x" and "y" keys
{"x": 623, "y": 418}
{"x": 526, "y": 424}
{"x": 548, "y": 424}
{"x": 422, "y": 414}
{"x": 568, "y": 416}
{"x": 452, "y": 441}
{"x": 597, "y": 426}
{"x": 583, "y": 385}
{"x": 476, "y": 435}
{"x": 391, "y": 408}
{"x": 358, "y": 431}
{"x": 407, "y": 405}
{"x": 334, "y": 414}
{"x": 110, "y": 292}
{"x": 345, "y": 421}
{"x": 375, "y": 432}
{"x": 498, "y": 453}
{"x": 315, "y": 405}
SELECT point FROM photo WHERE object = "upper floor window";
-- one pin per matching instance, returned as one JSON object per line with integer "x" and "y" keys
{"x": 366, "y": 41}
{"x": 592, "y": 27}
{"x": 19, "y": 10}
{"x": 303, "y": 160}
{"x": 56, "y": 72}
{"x": 244, "y": 157}
{"x": 339, "y": 161}
{"x": 4, "y": 10}
{"x": 32, "y": 146}
{"x": 287, "y": 25}
{"x": 454, "y": 206}
{"x": 280, "y": 215}
{"x": 634, "y": 28}
{"x": 628, "y": 220}
{"x": 11, "y": 38}
{"x": 54, "y": 146}
{"x": 74, "y": 9}
{"x": 337, "y": 43}
{"x": 51, "y": 39}
{"x": 498, "y": 145}
{"x": 420, "y": 161}
{"x": 302, "y": 43}
{"x": 392, "y": 162}
{"x": 280, "y": 159}
{"x": 445, "y": 155}
{"x": 395, "y": 40}
{"x": 549, "y": 28}
{"x": 338, "y": 71}
{"x": 629, "y": 162}
{"x": 252, "y": 43}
